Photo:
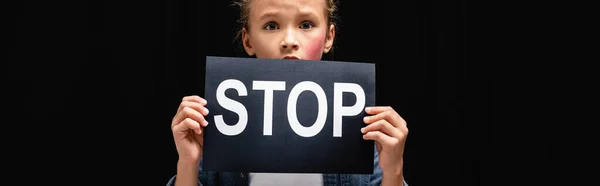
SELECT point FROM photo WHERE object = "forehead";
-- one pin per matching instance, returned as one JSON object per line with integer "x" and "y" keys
{"x": 259, "y": 7}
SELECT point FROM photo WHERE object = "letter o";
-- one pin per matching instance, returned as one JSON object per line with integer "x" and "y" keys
{"x": 322, "y": 109}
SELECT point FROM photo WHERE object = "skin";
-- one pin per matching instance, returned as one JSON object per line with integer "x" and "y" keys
{"x": 280, "y": 28}
{"x": 288, "y": 28}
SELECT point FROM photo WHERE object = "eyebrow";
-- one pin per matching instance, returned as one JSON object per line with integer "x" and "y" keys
{"x": 275, "y": 13}
{"x": 308, "y": 14}
{"x": 268, "y": 15}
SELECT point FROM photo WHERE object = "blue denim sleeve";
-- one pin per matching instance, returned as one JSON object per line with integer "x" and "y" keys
{"x": 377, "y": 175}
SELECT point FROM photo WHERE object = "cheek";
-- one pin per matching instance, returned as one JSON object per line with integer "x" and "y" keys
{"x": 266, "y": 47}
{"x": 314, "y": 48}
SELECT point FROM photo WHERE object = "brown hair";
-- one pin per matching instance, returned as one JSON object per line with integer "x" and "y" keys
{"x": 244, "y": 6}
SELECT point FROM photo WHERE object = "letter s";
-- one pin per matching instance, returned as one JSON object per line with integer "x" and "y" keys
{"x": 231, "y": 105}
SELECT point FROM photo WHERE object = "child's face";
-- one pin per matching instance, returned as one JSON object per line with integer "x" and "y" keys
{"x": 288, "y": 29}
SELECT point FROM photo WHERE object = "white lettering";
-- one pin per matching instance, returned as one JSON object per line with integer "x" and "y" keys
{"x": 231, "y": 105}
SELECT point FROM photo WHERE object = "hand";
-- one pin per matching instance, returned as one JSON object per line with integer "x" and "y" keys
{"x": 389, "y": 131}
{"x": 188, "y": 127}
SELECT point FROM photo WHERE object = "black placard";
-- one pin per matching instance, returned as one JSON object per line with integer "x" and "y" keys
{"x": 301, "y": 100}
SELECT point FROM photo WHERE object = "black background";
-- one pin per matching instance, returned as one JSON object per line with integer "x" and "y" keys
{"x": 487, "y": 88}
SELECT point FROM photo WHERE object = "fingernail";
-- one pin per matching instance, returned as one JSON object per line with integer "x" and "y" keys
{"x": 362, "y": 130}
{"x": 366, "y": 119}
{"x": 205, "y": 110}
{"x": 203, "y": 101}
{"x": 367, "y": 109}
{"x": 205, "y": 123}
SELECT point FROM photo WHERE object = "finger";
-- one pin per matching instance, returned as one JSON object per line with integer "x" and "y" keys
{"x": 185, "y": 125}
{"x": 377, "y": 109}
{"x": 384, "y": 113}
{"x": 195, "y": 105}
{"x": 380, "y": 137}
{"x": 199, "y": 137}
{"x": 188, "y": 112}
{"x": 194, "y": 98}
{"x": 384, "y": 127}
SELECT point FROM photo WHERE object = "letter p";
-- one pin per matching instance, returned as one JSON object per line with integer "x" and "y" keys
{"x": 339, "y": 110}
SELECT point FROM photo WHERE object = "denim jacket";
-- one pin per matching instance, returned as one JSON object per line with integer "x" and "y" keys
{"x": 238, "y": 178}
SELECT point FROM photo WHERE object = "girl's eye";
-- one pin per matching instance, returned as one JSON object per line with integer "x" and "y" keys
{"x": 271, "y": 26}
{"x": 306, "y": 25}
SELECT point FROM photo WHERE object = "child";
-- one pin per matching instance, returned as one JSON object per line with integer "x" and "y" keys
{"x": 288, "y": 29}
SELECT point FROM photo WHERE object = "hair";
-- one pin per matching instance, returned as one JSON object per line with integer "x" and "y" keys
{"x": 244, "y": 20}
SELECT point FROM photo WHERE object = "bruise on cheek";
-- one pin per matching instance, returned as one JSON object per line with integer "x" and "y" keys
{"x": 314, "y": 48}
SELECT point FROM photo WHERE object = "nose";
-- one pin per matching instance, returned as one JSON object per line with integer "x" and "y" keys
{"x": 290, "y": 42}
